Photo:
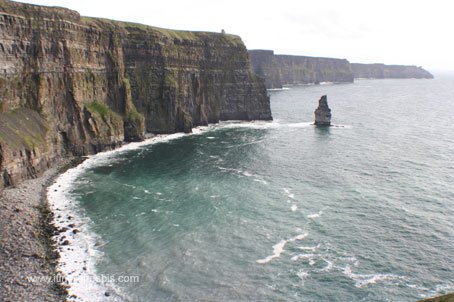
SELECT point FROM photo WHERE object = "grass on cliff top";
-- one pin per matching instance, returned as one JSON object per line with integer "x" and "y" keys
{"x": 34, "y": 11}
{"x": 169, "y": 33}
{"x": 37, "y": 12}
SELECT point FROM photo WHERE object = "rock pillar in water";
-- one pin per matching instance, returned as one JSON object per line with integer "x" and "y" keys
{"x": 323, "y": 113}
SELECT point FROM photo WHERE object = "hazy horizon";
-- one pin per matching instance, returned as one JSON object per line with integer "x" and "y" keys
{"x": 403, "y": 33}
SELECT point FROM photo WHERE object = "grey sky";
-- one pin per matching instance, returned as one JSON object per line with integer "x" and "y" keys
{"x": 369, "y": 31}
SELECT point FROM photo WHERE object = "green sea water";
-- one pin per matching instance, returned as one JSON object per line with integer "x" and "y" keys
{"x": 282, "y": 210}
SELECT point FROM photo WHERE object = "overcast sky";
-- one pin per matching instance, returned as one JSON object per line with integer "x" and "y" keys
{"x": 369, "y": 31}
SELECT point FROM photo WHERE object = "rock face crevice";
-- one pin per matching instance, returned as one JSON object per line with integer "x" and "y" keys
{"x": 94, "y": 83}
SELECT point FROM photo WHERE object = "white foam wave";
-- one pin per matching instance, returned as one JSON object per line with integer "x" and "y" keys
{"x": 309, "y": 248}
{"x": 303, "y": 256}
{"x": 298, "y": 125}
{"x": 302, "y": 275}
{"x": 298, "y": 237}
{"x": 278, "y": 89}
{"x": 362, "y": 280}
{"x": 294, "y": 208}
{"x": 257, "y": 178}
{"x": 250, "y": 125}
{"x": 78, "y": 258}
{"x": 279, "y": 248}
{"x": 316, "y": 215}
{"x": 230, "y": 169}
{"x": 261, "y": 181}
{"x": 276, "y": 124}
{"x": 329, "y": 266}
{"x": 289, "y": 193}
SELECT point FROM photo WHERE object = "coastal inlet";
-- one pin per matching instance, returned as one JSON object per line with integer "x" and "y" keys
{"x": 281, "y": 210}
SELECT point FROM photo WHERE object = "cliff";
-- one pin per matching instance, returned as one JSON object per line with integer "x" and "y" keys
{"x": 278, "y": 70}
{"x": 382, "y": 71}
{"x": 71, "y": 85}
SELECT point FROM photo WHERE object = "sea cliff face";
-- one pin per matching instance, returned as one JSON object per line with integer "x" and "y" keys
{"x": 71, "y": 85}
{"x": 382, "y": 71}
{"x": 279, "y": 70}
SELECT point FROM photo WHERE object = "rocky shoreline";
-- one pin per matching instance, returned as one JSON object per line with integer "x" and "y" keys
{"x": 28, "y": 255}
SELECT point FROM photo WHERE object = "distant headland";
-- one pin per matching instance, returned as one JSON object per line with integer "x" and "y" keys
{"x": 279, "y": 70}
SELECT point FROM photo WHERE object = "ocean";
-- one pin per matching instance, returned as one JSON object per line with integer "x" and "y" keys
{"x": 274, "y": 211}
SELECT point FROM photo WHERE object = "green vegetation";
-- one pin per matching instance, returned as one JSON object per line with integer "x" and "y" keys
{"x": 127, "y": 92}
{"x": 102, "y": 110}
{"x": 131, "y": 112}
{"x": 134, "y": 115}
{"x": 170, "y": 80}
{"x": 169, "y": 33}
{"x": 110, "y": 55}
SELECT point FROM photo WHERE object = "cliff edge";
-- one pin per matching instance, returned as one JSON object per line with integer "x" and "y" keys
{"x": 71, "y": 85}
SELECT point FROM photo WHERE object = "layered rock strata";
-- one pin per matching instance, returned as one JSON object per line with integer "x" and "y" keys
{"x": 71, "y": 85}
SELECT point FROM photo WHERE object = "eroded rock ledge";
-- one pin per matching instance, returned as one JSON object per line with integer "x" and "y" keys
{"x": 71, "y": 85}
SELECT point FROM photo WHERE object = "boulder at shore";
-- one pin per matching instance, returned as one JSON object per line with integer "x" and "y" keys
{"x": 323, "y": 113}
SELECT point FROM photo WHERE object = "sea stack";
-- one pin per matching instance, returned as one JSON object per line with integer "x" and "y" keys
{"x": 323, "y": 113}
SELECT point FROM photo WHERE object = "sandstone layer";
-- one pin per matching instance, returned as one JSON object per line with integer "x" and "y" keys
{"x": 71, "y": 85}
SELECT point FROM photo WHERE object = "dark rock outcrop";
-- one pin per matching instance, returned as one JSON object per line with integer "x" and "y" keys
{"x": 71, "y": 85}
{"x": 382, "y": 71}
{"x": 279, "y": 70}
{"x": 323, "y": 113}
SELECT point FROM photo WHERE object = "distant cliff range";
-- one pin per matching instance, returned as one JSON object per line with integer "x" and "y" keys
{"x": 279, "y": 70}
{"x": 382, "y": 71}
